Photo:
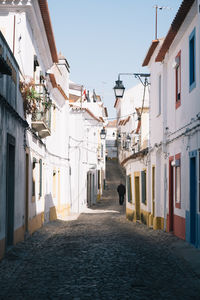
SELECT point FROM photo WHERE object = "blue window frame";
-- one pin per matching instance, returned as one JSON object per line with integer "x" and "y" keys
{"x": 192, "y": 60}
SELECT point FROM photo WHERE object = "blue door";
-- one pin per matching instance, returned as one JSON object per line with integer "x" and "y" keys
{"x": 193, "y": 199}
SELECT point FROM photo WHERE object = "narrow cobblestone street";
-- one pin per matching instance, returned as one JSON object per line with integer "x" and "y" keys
{"x": 100, "y": 255}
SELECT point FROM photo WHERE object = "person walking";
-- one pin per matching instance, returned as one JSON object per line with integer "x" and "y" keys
{"x": 121, "y": 191}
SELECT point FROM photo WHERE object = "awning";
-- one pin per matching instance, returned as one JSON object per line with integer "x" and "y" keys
{"x": 4, "y": 67}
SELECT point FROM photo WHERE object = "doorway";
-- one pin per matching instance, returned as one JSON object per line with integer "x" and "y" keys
{"x": 27, "y": 192}
{"x": 10, "y": 190}
{"x": 137, "y": 197}
{"x": 171, "y": 195}
{"x": 193, "y": 200}
{"x": 153, "y": 191}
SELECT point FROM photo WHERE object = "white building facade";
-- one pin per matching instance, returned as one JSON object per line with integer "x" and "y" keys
{"x": 172, "y": 161}
{"x": 44, "y": 83}
{"x": 12, "y": 151}
{"x": 86, "y": 148}
{"x": 111, "y": 140}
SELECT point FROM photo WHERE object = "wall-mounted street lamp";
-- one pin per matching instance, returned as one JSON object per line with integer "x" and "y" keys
{"x": 128, "y": 141}
{"x": 103, "y": 134}
{"x": 119, "y": 87}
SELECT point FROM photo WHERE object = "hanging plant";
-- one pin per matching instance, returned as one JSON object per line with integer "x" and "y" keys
{"x": 47, "y": 104}
{"x": 30, "y": 96}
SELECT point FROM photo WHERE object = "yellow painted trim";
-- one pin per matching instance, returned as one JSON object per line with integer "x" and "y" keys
{"x": 52, "y": 214}
{"x": 35, "y": 223}
{"x": 136, "y": 174}
{"x": 63, "y": 211}
{"x": 158, "y": 223}
{"x": 130, "y": 214}
{"x": 19, "y": 235}
{"x": 144, "y": 216}
{"x": 151, "y": 220}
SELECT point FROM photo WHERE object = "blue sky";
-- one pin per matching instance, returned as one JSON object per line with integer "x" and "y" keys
{"x": 101, "y": 38}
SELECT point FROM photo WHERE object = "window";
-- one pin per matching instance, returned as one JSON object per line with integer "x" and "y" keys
{"x": 192, "y": 60}
{"x": 159, "y": 94}
{"x": 129, "y": 188}
{"x": 178, "y": 79}
{"x": 177, "y": 181}
{"x": 144, "y": 193}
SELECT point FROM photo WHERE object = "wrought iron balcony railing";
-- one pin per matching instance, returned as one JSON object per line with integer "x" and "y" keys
{"x": 41, "y": 117}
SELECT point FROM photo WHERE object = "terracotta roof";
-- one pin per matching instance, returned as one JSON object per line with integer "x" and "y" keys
{"x": 121, "y": 122}
{"x": 73, "y": 98}
{"x": 86, "y": 110}
{"x": 48, "y": 28}
{"x": 138, "y": 127}
{"x": 174, "y": 28}
{"x": 106, "y": 112}
{"x": 61, "y": 56}
{"x": 98, "y": 98}
{"x": 62, "y": 92}
{"x": 92, "y": 115}
{"x": 102, "y": 120}
{"x": 127, "y": 120}
{"x": 53, "y": 80}
{"x": 150, "y": 52}
{"x": 55, "y": 85}
{"x": 135, "y": 155}
{"x": 112, "y": 123}
{"x": 139, "y": 109}
{"x": 116, "y": 101}
{"x": 124, "y": 121}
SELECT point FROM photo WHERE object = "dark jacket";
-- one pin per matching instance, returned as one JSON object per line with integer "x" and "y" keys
{"x": 121, "y": 189}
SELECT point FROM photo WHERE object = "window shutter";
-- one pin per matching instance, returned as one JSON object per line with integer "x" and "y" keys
{"x": 128, "y": 188}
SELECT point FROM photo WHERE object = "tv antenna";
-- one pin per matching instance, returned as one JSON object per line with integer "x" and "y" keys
{"x": 156, "y": 21}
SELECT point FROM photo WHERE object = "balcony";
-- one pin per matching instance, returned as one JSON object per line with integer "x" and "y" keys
{"x": 41, "y": 117}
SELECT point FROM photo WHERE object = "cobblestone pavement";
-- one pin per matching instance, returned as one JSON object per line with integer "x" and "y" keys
{"x": 100, "y": 255}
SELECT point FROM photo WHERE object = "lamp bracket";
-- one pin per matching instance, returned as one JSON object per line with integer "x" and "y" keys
{"x": 139, "y": 76}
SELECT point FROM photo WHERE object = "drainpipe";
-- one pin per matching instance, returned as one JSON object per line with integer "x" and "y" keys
{"x": 165, "y": 196}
